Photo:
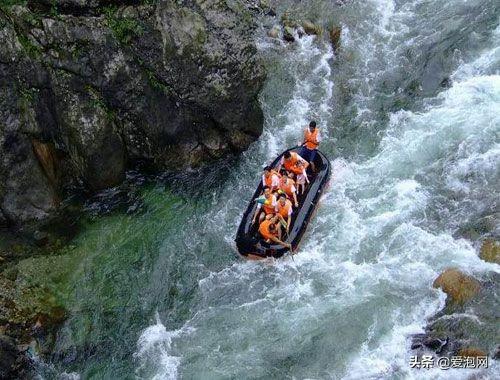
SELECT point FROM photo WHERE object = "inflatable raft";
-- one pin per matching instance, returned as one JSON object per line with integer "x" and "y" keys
{"x": 249, "y": 242}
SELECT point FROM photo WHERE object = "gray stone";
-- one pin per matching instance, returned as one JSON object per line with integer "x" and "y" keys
{"x": 172, "y": 85}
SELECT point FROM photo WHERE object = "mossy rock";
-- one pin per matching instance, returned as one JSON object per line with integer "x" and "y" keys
{"x": 459, "y": 287}
{"x": 490, "y": 251}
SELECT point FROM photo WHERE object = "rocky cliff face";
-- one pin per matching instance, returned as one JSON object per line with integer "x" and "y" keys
{"x": 89, "y": 88}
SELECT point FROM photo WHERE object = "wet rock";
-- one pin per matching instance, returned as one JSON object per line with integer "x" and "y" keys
{"x": 288, "y": 20}
{"x": 335, "y": 34}
{"x": 446, "y": 83}
{"x": 471, "y": 352}
{"x": 485, "y": 226}
{"x": 311, "y": 28}
{"x": 490, "y": 251}
{"x": 288, "y": 34}
{"x": 13, "y": 363}
{"x": 424, "y": 342}
{"x": 470, "y": 325}
{"x": 496, "y": 353}
{"x": 459, "y": 287}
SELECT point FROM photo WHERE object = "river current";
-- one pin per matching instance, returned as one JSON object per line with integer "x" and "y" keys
{"x": 409, "y": 109}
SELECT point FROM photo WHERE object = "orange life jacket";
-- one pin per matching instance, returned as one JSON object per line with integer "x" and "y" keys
{"x": 284, "y": 210}
{"x": 287, "y": 187}
{"x": 269, "y": 178}
{"x": 268, "y": 206}
{"x": 291, "y": 163}
{"x": 265, "y": 231}
{"x": 311, "y": 139}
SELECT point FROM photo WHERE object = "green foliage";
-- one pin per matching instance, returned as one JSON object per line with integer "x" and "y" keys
{"x": 155, "y": 83}
{"x": 29, "y": 94}
{"x": 54, "y": 11}
{"x": 10, "y": 3}
{"x": 124, "y": 28}
{"x": 31, "y": 49}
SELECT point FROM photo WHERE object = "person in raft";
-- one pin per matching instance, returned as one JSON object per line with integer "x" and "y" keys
{"x": 287, "y": 186}
{"x": 284, "y": 211}
{"x": 302, "y": 179}
{"x": 269, "y": 230}
{"x": 265, "y": 205}
{"x": 311, "y": 142}
{"x": 289, "y": 162}
{"x": 271, "y": 179}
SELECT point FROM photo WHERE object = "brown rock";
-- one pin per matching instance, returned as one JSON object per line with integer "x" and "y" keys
{"x": 458, "y": 286}
{"x": 490, "y": 251}
{"x": 335, "y": 33}
{"x": 471, "y": 352}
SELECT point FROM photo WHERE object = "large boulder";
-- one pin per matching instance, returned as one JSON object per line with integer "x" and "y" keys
{"x": 458, "y": 286}
{"x": 88, "y": 89}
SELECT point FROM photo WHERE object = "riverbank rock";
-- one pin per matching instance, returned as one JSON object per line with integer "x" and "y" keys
{"x": 490, "y": 251}
{"x": 458, "y": 286}
{"x": 89, "y": 89}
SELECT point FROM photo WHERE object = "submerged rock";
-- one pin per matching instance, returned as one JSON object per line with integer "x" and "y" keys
{"x": 274, "y": 32}
{"x": 335, "y": 33}
{"x": 311, "y": 28}
{"x": 288, "y": 34}
{"x": 458, "y": 286}
{"x": 98, "y": 88}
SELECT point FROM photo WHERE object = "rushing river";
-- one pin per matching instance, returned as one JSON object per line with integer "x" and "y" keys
{"x": 410, "y": 114}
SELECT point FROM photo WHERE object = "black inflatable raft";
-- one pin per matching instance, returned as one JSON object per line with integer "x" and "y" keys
{"x": 249, "y": 242}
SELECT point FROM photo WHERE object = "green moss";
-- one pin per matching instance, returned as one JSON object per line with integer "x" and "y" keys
{"x": 29, "y": 94}
{"x": 31, "y": 49}
{"x": 155, "y": 83}
{"x": 96, "y": 100}
{"x": 123, "y": 28}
